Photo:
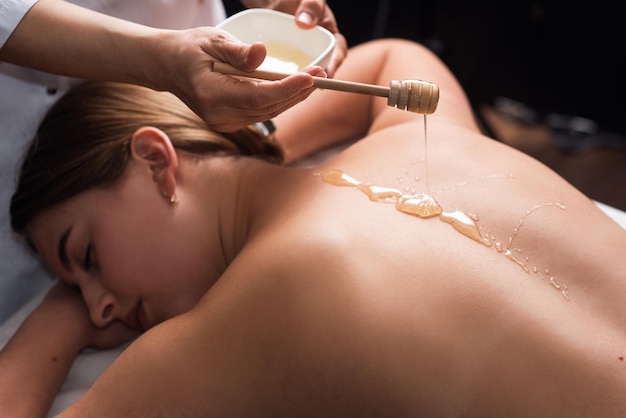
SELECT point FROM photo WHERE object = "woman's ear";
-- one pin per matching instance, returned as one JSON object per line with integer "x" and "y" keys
{"x": 152, "y": 147}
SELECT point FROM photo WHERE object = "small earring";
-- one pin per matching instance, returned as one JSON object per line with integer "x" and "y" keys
{"x": 173, "y": 199}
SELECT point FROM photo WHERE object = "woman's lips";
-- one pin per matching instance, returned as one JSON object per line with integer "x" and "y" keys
{"x": 136, "y": 318}
{"x": 142, "y": 320}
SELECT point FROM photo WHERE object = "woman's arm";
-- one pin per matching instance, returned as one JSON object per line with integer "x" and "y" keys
{"x": 329, "y": 117}
{"x": 35, "y": 362}
{"x": 58, "y": 37}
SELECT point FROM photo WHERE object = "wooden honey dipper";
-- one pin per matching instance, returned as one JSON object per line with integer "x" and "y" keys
{"x": 413, "y": 95}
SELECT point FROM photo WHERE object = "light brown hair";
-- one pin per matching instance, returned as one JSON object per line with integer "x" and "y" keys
{"x": 83, "y": 143}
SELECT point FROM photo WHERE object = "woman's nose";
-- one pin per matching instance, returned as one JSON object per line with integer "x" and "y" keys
{"x": 100, "y": 303}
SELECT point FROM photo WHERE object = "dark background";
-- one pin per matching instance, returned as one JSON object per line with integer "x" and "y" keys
{"x": 554, "y": 57}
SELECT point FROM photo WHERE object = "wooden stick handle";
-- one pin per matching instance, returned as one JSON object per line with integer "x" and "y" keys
{"x": 319, "y": 82}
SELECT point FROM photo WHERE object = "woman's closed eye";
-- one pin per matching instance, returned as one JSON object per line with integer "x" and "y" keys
{"x": 87, "y": 263}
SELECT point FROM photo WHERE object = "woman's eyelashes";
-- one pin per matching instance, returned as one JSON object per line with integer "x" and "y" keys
{"x": 87, "y": 263}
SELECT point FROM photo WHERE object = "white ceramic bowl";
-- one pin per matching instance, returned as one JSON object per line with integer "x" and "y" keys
{"x": 289, "y": 48}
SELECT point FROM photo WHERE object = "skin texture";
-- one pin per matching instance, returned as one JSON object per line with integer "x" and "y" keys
{"x": 321, "y": 302}
{"x": 173, "y": 60}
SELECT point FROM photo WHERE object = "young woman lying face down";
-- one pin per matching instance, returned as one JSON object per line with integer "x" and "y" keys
{"x": 276, "y": 291}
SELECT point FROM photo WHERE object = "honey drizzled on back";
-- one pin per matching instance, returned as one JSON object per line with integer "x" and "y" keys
{"x": 425, "y": 206}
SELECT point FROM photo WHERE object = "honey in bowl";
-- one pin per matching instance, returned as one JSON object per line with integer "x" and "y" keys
{"x": 283, "y": 57}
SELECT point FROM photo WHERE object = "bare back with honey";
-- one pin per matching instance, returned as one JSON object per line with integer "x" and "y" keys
{"x": 481, "y": 278}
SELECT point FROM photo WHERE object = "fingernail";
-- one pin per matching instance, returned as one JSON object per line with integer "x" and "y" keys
{"x": 305, "y": 18}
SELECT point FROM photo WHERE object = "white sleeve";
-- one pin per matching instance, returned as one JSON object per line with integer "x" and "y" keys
{"x": 11, "y": 14}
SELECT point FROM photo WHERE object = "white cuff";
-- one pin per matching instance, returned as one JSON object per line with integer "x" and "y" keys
{"x": 11, "y": 14}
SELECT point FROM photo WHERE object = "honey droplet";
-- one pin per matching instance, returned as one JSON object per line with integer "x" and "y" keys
{"x": 421, "y": 205}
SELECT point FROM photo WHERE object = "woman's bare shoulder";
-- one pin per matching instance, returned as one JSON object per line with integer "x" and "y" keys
{"x": 201, "y": 363}
{"x": 229, "y": 346}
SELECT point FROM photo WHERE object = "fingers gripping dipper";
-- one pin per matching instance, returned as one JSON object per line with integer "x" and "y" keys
{"x": 413, "y": 95}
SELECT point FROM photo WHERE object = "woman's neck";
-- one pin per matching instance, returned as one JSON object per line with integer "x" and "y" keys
{"x": 235, "y": 198}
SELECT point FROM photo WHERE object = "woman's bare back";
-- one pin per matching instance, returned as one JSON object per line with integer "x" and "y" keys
{"x": 402, "y": 314}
